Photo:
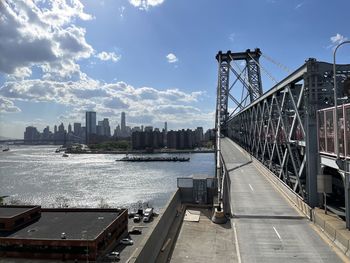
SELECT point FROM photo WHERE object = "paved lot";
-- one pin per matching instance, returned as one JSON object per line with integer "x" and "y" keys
{"x": 268, "y": 228}
{"x": 204, "y": 241}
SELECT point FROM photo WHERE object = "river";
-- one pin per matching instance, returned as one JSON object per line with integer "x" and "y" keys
{"x": 38, "y": 175}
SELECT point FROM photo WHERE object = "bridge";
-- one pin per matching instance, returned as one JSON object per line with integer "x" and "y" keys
{"x": 278, "y": 165}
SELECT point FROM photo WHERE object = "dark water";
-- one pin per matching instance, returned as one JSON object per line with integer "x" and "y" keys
{"x": 38, "y": 175}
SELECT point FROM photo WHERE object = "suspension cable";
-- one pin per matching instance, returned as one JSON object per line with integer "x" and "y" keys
{"x": 266, "y": 72}
{"x": 280, "y": 65}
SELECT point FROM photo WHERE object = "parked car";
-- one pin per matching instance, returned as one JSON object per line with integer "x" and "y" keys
{"x": 114, "y": 255}
{"x": 148, "y": 215}
{"x": 135, "y": 232}
{"x": 126, "y": 241}
{"x": 137, "y": 218}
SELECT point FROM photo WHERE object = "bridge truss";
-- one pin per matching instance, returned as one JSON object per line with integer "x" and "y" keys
{"x": 279, "y": 127}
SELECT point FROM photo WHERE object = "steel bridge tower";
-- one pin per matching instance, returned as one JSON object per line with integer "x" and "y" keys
{"x": 250, "y": 77}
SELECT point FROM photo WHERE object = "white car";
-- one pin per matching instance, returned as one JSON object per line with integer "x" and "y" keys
{"x": 126, "y": 241}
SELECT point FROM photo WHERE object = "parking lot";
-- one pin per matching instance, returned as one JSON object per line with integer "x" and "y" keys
{"x": 126, "y": 251}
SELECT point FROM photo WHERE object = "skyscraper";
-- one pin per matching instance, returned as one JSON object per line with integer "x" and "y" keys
{"x": 123, "y": 125}
{"x": 90, "y": 124}
{"x": 77, "y": 128}
{"x": 106, "y": 127}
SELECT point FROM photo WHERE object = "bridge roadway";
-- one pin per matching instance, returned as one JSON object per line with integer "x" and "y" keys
{"x": 267, "y": 227}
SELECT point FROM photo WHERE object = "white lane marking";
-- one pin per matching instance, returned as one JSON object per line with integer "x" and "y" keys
{"x": 236, "y": 241}
{"x": 251, "y": 187}
{"x": 278, "y": 235}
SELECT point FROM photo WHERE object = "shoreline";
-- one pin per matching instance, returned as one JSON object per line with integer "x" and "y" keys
{"x": 142, "y": 152}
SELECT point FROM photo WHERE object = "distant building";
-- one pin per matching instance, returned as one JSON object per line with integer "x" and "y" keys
{"x": 117, "y": 132}
{"x": 90, "y": 124}
{"x": 171, "y": 139}
{"x": 147, "y": 140}
{"x": 198, "y": 136}
{"x": 181, "y": 139}
{"x": 106, "y": 127}
{"x": 31, "y": 135}
{"x": 123, "y": 123}
{"x": 209, "y": 135}
{"x": 77, "y": 129}
{"x": 148, "y": 129}
{"x": 69, "y": 128}
{"x": 46, "y": 135}
{"x": 135, "y": 129}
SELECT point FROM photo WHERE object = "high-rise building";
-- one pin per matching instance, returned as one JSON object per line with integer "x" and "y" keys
{"x": 61, "y": 128}
{"x": 148, "y": 129}
{"x": 90, "y": 120}
{"x": 77, "y": 128}
{"x": 165, "y": 127}
{"x": 69, "y": 128}
{"x": 99, "y": 128}
{"x": 123, "y": 124}
{"x": 31, "y": 134}
{"x": 106, "y": 128}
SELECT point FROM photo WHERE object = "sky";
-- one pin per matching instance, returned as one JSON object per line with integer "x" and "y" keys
{"x": 153, "y": 59}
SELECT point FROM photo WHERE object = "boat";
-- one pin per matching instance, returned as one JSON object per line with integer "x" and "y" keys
{"x": 5, "y": 148}
{"x": 65, "y": 155}
{"x": 152, "y": 159}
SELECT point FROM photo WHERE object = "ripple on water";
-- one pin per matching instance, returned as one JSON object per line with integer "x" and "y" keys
{"x": 38, "y": 175}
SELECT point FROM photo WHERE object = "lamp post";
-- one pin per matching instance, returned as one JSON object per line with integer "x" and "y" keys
{"x": 335, "y": 97}
{"x": 342, "y": 165}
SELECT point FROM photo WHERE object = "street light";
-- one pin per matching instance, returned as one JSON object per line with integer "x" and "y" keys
{"x": 342, "y": 165}
{"x": 335, "y": 97}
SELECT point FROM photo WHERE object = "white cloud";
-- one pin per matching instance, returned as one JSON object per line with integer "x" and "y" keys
{"x": 172, "y": 58}
{"x": 108, "y": 56}
{"x": 232, "y": 37}
{"x": 7, "y": 105}
{"x": 144, "y": 105}
{"x": 145, "y": 4}
{"x": 40, "y": 33}
{"x": 121, "y": 11}
{"x": 338, "y": 38}
{"x": 299, "y": 5}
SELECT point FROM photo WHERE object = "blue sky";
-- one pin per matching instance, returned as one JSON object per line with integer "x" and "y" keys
{"x": 153, "y": 59}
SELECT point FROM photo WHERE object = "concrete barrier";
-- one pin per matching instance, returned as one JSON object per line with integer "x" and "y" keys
{"x": 155, "y": 238}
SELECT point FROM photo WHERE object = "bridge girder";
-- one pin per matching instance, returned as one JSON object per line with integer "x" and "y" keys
{"x": 280, "y": 127}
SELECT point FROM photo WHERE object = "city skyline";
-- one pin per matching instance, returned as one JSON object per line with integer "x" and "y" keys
{"x": 56, "y": 62}
{"x": 96, "y": 127}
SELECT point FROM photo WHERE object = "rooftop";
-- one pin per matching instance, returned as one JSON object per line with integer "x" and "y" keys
{"x": 75, "y": 225}
{"x": 8, "y": 211}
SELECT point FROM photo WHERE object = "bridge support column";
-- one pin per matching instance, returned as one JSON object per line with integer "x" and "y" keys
{"x": 347, "y": 199}
{"x": 311, "y": 149}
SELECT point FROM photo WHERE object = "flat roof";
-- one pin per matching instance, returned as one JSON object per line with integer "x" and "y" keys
{"x": 7, "y": 212}
{"x": 76, "y": 225}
